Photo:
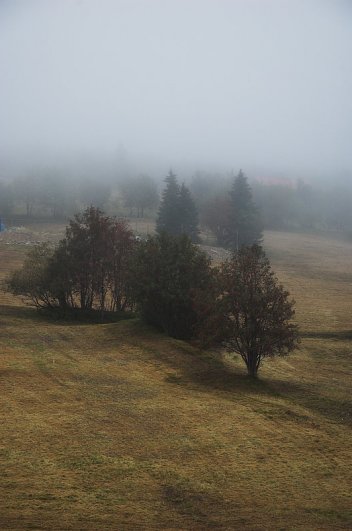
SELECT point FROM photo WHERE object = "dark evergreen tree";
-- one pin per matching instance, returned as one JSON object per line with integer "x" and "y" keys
{"x": 244, "y": 225}
{"x": 169, "y": 279}
{"x": 177, "y": 213}
{"x": 188, "y": 214}
{"x": 169, "y": 211}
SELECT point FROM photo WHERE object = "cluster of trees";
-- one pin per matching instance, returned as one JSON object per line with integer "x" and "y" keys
{"x": 305, "y": 207}
{"x": 170, "y": 274}
{"x": 87, "y": 270}
{"x": 177, "y": 211}
{"x": 224, "y": 204}
{"x": 235, "y": 219}
{"x": 291, "y": 206}
{"x": 168, "y": 280}
{"x": 51, "y": 194}
{"x": 139, "y": 194}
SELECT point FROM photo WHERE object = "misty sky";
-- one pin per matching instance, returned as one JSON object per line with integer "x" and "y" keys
{"x": 264, "y": 85}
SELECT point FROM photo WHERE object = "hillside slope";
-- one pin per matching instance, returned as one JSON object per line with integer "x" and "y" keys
{"x": 117, "y": 427}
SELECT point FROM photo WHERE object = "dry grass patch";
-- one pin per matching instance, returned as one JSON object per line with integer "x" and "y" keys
{"x": 117, "y": 427}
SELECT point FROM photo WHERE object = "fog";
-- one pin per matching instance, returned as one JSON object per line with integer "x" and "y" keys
{"x": 191, "y": 84}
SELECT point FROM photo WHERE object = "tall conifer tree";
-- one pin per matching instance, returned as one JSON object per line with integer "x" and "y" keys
{"x": 189, "y": 214}
{"x": 169, "y": 212}
{"x": 177, "y": 212}
{"x": 244, "y": 226}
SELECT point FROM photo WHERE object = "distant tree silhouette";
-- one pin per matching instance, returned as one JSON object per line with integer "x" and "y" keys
{"x": 140, "y": 193}
{"x": 93, "y": 192}
{"x": 233, "y": 217}
{"x": 216, "y": 215}
{"x": 188, "y": 214}
{"x": 177, "y": 212}
{"x": 244, "y": 226}
{"x": 169, "y": 211}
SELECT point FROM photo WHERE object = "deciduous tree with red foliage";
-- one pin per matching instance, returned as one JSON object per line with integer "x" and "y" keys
{"x": 256, "y": 310}
{"x": 88, "y": 270}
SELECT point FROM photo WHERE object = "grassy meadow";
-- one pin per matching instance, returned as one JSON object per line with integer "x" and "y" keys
{"x": 114, "y": 426}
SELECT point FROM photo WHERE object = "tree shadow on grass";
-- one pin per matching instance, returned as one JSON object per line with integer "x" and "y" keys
{"x": 216, "y": 376}
{"x": 21, "y": 312}
{"x": 55, "y": 317}
{"x": 200, "y": 508}
{"x": 191, "y": 366}
{"x": 328, "y": 334}
{"x": 29, "y": 313}
{"x": 213, "y": 374}
{"x": 207, "y": 371}
{"x": 309, "y": 396}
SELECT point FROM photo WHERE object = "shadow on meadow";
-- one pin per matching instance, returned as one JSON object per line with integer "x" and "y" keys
{"x": 207, "y": 371}
{"x": 328, "y": 334}
{"x": 309, "y": 396}
{"x": 54, "y": 316}
{"x": 194, "y": 501}
{"x": 188, "y": 366}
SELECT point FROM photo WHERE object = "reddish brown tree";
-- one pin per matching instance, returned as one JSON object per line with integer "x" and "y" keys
{"x": 257, "y": 310}
{"x": 87, "y": 271}
{"x": 94, "y": 255}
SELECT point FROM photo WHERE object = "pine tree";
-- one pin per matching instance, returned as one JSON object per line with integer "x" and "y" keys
{"x": 244, "y": 226}
{"x": 177, "y": 213}
{"x": 188, "y": 214}
{"x": 169, "y": 211}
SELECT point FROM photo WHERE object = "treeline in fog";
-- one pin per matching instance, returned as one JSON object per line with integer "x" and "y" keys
{"x": 280, "y": 204}
{"x": 53, "y": 194}
{"x": 285, "y": 205}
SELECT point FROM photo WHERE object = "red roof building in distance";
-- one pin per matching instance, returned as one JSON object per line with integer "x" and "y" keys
{"x": 277, "y": 181}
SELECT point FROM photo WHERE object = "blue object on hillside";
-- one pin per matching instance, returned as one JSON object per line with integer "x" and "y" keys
{"x": 2, "y": 226}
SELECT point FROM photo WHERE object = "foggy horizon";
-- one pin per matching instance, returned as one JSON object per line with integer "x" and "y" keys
{"x": 193, "y": 85}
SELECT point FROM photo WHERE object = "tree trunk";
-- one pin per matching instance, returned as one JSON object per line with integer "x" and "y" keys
{"x": 252, "y": 365}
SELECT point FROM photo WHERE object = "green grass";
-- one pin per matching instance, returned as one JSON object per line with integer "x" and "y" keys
{"x": 114, "y": 426}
